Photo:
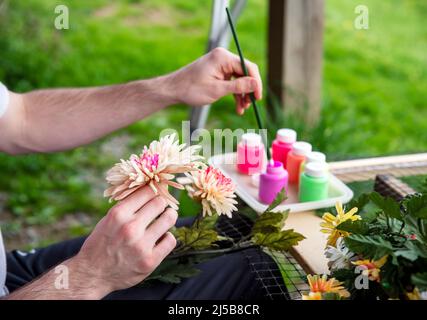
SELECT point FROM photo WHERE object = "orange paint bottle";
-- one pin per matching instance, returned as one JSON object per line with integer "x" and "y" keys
{"x": 295, "y": 158}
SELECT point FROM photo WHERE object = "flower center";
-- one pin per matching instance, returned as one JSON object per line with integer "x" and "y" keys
{"x": 148, "y": 160}
{"x": 219, "y": 178}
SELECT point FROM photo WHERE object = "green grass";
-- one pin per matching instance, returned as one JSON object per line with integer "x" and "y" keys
{"x": 375, "y": 86}
{"x": 374, "y": 89}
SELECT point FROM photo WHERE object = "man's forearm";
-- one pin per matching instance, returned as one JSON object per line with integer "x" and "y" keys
{"x": 59, "y": 119}
{"x": 53, "y": 120}
{"x": 64, "y": 282}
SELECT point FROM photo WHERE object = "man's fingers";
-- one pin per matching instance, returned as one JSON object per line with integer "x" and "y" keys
{"x": 159, "y": 227}
{"x": 241, "y": 85}
{"x": 135, "y": 201}
{"x": 253, "y": 72}
{"x": 165, "y": 245}
{"x": 242, "y": 102}
{"x": 239, "y": 105}
{"x": 241, "y": 88}
{"x": 134, "y": 229}
{"x": 124, "y": 210}
{"x": 152, "y": 209}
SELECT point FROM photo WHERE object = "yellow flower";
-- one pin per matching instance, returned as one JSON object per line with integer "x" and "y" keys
{"x": 321, "y": 284}
{"x": 312, "y": 296}
{"x": 330, "y": 223}
{"x": 372, "y": 268}
{"x": 414, "y": 295}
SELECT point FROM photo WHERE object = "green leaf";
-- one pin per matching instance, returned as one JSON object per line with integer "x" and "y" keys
{"x": 418, "y": 247}
{"x": 420, "y": 280}
{"x": 281, "y": 196}
{"x": 388, "y": 205}
{"x": 371, "y": 247}
{"x": 281, "y": 240}
{"x": 270, "y": 222}
{"x": 370, "y": 213}
{"x": 367, "y": 210}
{"x": 331, "y": 296}
{"x": 407, "y": 254}
{"x": 208, "y": 222}
{"x": 417, "y": 206}
{"x": 356, "y": 227}
{"x": 360, "y": 202}
{"x": 343, "y": 274}
{"x": 196, "y": 238}
{"x": 171, "y": 271}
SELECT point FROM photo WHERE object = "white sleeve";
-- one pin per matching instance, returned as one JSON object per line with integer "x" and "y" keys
{"x": 4, "y": 99}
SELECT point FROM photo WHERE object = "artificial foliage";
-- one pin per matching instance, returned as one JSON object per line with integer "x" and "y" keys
{"x": 201, "y": 241}
{"x": 382, "y": 254}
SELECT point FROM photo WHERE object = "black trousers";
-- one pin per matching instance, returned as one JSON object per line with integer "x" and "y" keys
{"x": 225, "y": 277}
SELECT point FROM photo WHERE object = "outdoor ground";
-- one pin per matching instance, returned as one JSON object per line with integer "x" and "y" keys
{"x": 374, "y": 92}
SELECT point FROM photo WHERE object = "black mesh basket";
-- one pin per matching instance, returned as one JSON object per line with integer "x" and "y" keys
{"x": 280, "y": 276}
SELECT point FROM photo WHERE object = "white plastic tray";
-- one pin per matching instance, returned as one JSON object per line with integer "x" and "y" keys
{"x": 338, "y": 191}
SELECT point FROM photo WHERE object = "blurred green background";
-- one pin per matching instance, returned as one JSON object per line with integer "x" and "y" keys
{"x": 374, "y": 91}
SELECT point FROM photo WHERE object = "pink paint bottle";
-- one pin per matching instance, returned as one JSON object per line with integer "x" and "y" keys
{"x": 272, "y": 182}
{"x": 296, "y": 157}
{"x": 250, "y": 154}
{"x": 285, "y": 138}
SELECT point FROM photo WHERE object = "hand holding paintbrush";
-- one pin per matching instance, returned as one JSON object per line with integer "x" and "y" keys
{"x": 251, "y": 95}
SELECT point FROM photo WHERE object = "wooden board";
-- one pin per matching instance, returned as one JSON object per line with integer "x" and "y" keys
{"x": 367, "y": 169}
{"x": 309, "y": 252}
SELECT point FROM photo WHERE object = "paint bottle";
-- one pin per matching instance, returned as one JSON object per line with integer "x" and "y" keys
{"x": 296, "y": 156}
{"x": 314, "y": 156}
{"x": 314, "y": 182}
{"x": 272, "y": 182}
{"x": 281, "y": 146}
{"x": 250, "y": 154}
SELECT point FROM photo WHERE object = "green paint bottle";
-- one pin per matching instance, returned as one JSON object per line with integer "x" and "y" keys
{"x": 314, "y": 156}
{"x": 314, "y": 182}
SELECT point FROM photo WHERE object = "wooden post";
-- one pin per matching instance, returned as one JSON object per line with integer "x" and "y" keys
{"x": 295, "y": 50}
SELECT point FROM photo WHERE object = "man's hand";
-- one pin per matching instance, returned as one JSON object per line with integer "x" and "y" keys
{"x": 123, "y": 249}
{"x": 128, "y": 243}
{"x": 215, "y": 75}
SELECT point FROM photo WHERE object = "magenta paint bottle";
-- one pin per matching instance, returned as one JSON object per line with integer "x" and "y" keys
{"x": 250, "y": 154}
{"x": 285, "y": 138}
{"x": 272, "y": 182}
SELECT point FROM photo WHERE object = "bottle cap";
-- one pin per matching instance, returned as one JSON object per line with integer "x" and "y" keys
{"x": 286, "y": 135}
{"x": 315, "y": 156}
{"x": 316, "y": 169}
{"x": 275, "y": 167}
{"x": 251, "y": 139}
{"x": 301, "y": 148}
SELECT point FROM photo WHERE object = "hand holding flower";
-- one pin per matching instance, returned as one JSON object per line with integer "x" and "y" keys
{"x": 156, "y": 166}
